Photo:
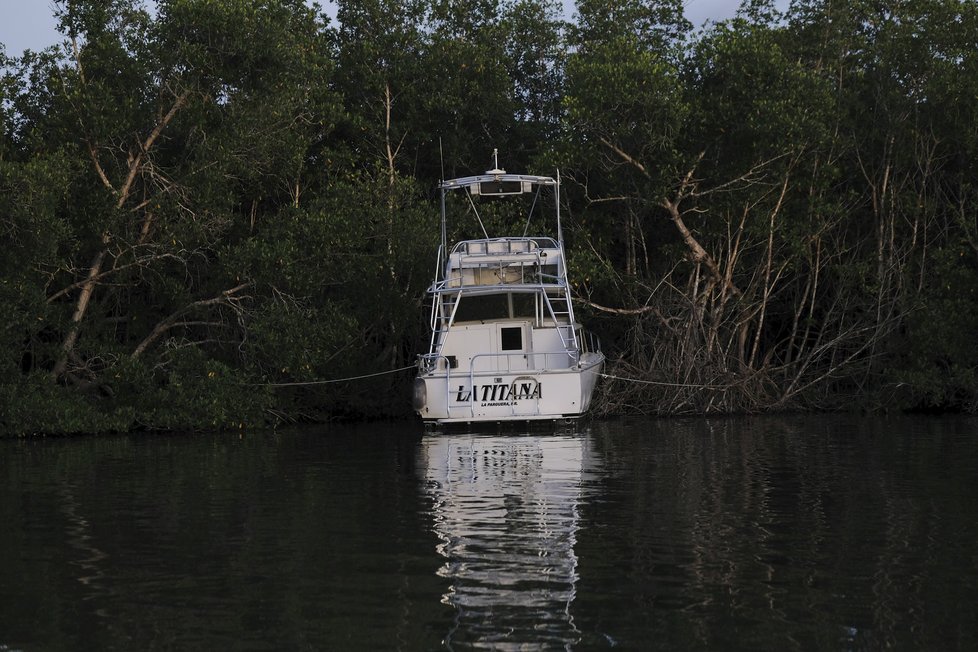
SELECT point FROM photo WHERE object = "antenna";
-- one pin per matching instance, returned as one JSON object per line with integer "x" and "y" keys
{"x": 495, "y": 162}
{"x": 443, "y": 249}
{"x": 441, "y": 157}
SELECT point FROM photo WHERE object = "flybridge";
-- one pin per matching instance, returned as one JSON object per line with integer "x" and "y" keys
{"x": 498, "y": 183}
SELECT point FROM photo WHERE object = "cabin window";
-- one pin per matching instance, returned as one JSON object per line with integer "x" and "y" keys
{"x": 491, "y": 306}
{"x": 496, "y": 306}
{"x": 512, "y": 338}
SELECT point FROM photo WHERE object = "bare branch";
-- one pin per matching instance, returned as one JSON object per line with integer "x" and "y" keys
{"x": 619, "y": 311}
{"x": 227, "y": 297}
{"x": 98, "y": 169}
{"x": 148, "y": 144}
{"x": 139, "y": 262}
{"x": 626, "y": 157}
{"x": 748, "y": 178}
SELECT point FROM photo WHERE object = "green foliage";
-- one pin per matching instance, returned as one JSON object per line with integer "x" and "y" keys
{"x": 196, "y": 392}
{"x": 31, "y": 405}
{"x": 535, "y": 58}
{"x": 201, "y": 204}
{"x": 935, "y": 361}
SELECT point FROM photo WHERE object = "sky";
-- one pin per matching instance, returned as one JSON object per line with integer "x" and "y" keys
{"x": 30, "y": 23}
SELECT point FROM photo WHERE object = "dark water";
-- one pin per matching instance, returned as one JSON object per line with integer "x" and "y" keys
{"x": 832, "y": 533}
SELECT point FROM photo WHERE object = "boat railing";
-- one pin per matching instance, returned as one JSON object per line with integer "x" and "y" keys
{"x": 503, "y": 246}
{"x": 511, "y": 362}
{"x": 527, "y": 283}
{"x": 489, "y": 275}
{"x": 536, "y": 260}
{"x": 589, "y": 341}
{"x": 524, "y": 361}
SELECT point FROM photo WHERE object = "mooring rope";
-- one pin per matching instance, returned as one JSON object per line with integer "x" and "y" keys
{"x": 395, "y": 371}
{"x": 337, "y": 380}
{"x": 660, "y": 383}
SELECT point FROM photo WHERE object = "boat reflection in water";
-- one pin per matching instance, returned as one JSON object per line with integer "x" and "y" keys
{"x": 506, "y": 512}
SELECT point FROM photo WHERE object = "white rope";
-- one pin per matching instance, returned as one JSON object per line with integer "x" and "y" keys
{"x": 656, "y": 382}
{"x": 337, "y": 380}
{"x": 394, "y": 371}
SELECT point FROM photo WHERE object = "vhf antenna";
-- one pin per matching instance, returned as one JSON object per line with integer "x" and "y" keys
{"x": 495, "y": 163}
{"x": 441, "y": 157}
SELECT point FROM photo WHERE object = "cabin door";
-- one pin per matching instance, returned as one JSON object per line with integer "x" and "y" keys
{"x": 512, "y": 339}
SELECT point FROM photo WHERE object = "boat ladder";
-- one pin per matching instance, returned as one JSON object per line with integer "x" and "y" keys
{"x": 442, "y": 315}
{"x": 562, "y": 312}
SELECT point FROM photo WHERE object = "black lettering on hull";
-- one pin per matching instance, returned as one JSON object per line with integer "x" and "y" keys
{"x": 501, "y": 394}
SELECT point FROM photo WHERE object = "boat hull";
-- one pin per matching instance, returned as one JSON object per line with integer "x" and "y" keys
{"x": 492, "y": 396}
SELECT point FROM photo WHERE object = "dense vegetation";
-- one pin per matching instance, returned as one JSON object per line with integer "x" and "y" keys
{"x": 773, "y": 212}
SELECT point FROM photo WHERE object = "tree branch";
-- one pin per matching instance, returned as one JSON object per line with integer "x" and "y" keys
{"x": 94, "y": 272}
{"x": 626, "y": 157}
{"x": 148, "y": 144}
{"x": 101, "y": 275}
{"x": 226, "y": 297}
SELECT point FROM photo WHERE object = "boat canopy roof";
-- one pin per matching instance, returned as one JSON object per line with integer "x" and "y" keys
{"x": 498, "y": 182}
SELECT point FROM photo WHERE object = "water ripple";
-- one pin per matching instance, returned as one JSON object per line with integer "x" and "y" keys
{"x": 505, "y": 510}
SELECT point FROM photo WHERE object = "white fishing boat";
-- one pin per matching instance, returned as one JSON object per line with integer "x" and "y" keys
{"x": 505, "y": 345}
